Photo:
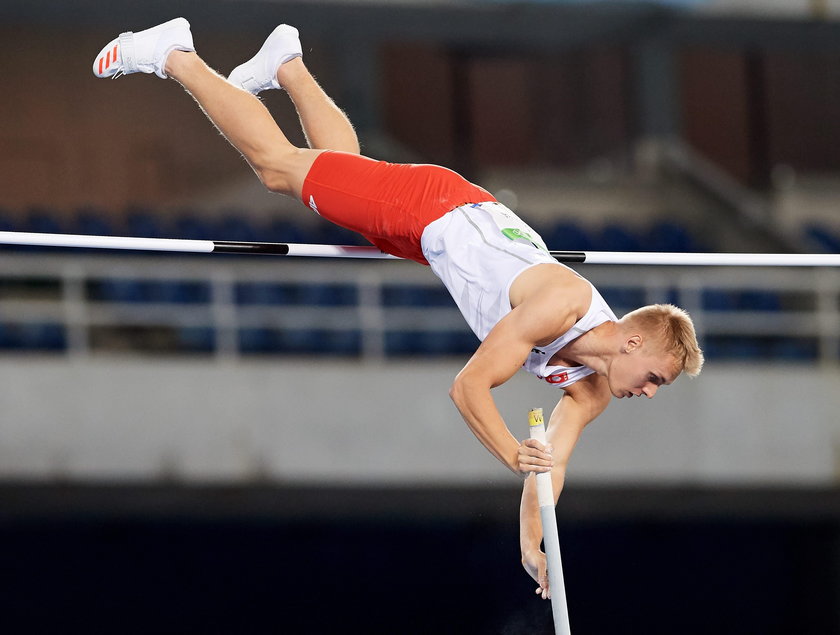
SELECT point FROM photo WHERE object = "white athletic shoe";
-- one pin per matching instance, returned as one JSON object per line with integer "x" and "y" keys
{"x": 144, "y": 52}
{"x": 260, "y": 72}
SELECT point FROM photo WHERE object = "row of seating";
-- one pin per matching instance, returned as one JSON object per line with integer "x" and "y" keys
{"x": 393, "y": 295}
{"x": 52, "y": 338}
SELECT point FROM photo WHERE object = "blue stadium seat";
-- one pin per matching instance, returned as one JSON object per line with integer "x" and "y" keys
{"x": 669, "y": 236}
{"x": 759, "y": 301}
{"x": 285, "y": 341}
{"x": 401, "y": 295}
{"x": 719, "y": 300}
{"x": 269, "y": 293}
{"x": 330, "y": 234}
{"x": 191, "y": 226}
{"x": 795, "y": 349}
{"x": 235, "y": 226}
{"x": 6, "y": 223}
{"x": 302, "y": 341}
{"x": 740, "y": 300}
{"x": 344, "y": 343}
{"x": 626, "y": 297}
{"x": 823, "y": 239}
{"x": 177, "y": 291}
{"x": 399, "y": 343}
{"x": 93, "y": 223}
{"x": 144, "y": 224}
{"x": 328, "y": 294}
{"x": 196, "y": 339}
{"x": 43, "y": 221}
{"x": 117, "y": 290}
{"x": 734, "y": 348}
{"x": 413, "y": 295}
{"x": 448, "y": 343}
{"x": 282, "y": 231}
{"x": 429, "y": 343}
{"x": 258, "y": 341}
{"x": 42, "y": 337}
{"x": 616, "y": 238}
{"x": 567, "y": 236}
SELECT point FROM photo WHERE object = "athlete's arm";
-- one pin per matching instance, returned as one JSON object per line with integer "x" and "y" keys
{"x": 583, "y": 402}
{"x": 500, "y": 355}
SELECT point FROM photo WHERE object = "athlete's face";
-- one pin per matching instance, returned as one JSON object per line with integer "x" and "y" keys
{"x": 640, "y": 370}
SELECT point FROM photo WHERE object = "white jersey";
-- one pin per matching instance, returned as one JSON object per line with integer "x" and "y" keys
{"x": 478, "y": 250}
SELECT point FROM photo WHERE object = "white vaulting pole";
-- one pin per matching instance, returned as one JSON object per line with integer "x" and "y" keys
{"x": 545, "y": 498}
{"x": 353, "y": 251}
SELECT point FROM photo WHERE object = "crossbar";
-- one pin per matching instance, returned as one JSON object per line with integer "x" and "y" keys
{"x": 175, "y": 245}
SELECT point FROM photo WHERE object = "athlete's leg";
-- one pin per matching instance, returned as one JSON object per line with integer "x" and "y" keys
{"x": 324, "y": 124}
{"x": 245, "y": 122}
{"x": 167, "y": 50}
{"x": 278, "y": 64}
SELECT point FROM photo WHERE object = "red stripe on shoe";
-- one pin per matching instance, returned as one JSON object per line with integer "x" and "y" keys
{"x": 108, "y": 59}
{"x": 115, "y": 52}
{"x": 100, "y": 65}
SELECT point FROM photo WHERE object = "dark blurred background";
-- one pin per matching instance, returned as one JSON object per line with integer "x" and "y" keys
{"x": 241, "y": 445}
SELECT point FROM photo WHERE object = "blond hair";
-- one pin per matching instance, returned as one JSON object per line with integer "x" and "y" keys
{"x": 672, "y": 328}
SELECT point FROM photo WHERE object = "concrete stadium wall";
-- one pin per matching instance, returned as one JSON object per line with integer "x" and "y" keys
{"x": 338, "y": 422}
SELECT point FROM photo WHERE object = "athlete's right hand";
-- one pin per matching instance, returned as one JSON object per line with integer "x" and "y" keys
{"x": 534, "y": 457}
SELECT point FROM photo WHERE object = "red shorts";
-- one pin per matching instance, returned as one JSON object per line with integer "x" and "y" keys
{"x": 389, "y": 204}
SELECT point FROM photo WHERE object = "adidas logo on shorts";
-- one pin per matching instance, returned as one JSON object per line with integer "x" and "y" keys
{"x": 313, "y": 206}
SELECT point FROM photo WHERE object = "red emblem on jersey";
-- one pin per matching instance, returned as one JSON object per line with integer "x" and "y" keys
{"x": 557, "y": 378}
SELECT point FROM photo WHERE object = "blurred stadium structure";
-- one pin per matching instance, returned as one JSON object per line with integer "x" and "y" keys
{"x": 275, "y": 410}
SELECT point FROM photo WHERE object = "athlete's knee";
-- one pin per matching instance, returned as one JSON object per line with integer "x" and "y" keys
{"x": 284, "y": 172}
{"x": 274, "y": 180}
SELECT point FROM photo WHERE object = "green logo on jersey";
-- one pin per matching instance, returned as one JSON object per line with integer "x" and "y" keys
{"x": 514, "y": 233}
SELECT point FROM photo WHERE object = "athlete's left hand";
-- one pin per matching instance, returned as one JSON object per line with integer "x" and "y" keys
{"x": 535, "y": 564}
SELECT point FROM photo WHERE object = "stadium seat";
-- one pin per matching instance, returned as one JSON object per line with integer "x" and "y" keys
{"x": 327, "y": 294}
{"x": 796, "y": 349}
{"x": 236, "y": 226}
{"x": 42, "y": 337}
{"x": 93, "y": 222}
{"x": 144, "y": 224}
{"x": 268, "y": 293}
{"x": 282, "y": 231}
{"x": 719, "y": 300}
{"x": 567, "y": 236}
{"x": 196, "y": 339}
{"x": 823, "y": 239}
{"x": 755, "y": 300}
{"x": 193, "y": 227}
{"x": 414, "y": 295}
{"x": 43, "y": 221}
{"x": 345, "y": 343}
{"x": 116, "y": 290}
{"x": 668, "y": 236}
{"x": 616, "y": 238}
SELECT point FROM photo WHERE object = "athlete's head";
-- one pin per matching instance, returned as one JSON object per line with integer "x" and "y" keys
{"x": 658, "y": 343}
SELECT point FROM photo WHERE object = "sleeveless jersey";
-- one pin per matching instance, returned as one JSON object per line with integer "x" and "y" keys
{"x": 478, "y": 250}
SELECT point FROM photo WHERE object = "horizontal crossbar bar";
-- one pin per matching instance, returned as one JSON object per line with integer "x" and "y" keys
{"x": 351, "y": 251}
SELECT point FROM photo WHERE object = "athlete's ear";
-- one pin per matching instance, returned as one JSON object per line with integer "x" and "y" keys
{"x": 632, "y": 343}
